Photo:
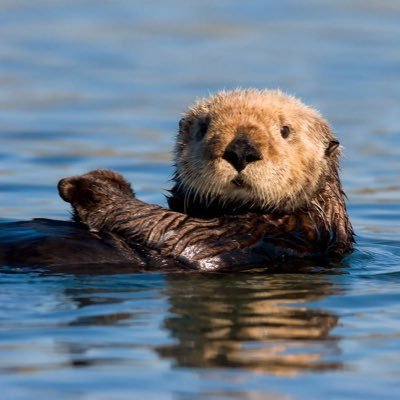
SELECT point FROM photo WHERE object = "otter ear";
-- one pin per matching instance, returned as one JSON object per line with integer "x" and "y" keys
{"x": 332, "y": 147}
{"x": 201, "y": 126}
{"x": 182, "y": 123}
{"x": 185, "y": 125}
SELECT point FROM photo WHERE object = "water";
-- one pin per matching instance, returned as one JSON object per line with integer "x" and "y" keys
{"x": 87, "y": 84}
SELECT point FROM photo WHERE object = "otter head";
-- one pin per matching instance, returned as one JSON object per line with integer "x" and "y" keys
{"x": 252, "y": 149}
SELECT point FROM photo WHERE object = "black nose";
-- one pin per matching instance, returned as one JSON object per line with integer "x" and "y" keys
{"x": 241, "y": 151}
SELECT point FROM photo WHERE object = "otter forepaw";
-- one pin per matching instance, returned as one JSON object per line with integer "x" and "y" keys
{"x": 93, "y": 185}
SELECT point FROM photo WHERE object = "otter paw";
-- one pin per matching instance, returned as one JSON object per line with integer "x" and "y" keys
{"x": 93, "y": 186}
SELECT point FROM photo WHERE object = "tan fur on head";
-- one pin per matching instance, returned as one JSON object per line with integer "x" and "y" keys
{"x": 297, "y": 146}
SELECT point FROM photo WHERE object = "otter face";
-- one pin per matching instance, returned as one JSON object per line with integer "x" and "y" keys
{"x": 254, "y": 148}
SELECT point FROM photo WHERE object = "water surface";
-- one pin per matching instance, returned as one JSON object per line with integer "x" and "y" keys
{"x": 87, "y": 84}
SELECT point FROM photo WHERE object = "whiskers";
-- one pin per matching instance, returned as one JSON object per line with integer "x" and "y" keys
{"x": 210, "y": 185}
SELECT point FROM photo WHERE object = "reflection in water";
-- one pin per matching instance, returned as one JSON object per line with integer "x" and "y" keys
{"x": 257, "y": 322}
{"x": 253, "y": 321}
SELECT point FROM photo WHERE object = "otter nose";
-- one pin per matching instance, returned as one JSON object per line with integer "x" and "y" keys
{"x": 241, "y": 151}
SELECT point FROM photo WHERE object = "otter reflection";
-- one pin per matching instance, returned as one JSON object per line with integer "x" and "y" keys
{"x": 252, "y": 321}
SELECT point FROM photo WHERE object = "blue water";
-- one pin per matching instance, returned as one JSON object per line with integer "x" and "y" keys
{"x": 87, "y": 84}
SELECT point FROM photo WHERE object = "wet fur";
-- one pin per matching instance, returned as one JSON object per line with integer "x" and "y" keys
{"x": 228, "y": 242}
{"x": 287, "y": 203}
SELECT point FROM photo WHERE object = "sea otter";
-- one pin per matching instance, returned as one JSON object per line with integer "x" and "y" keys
{"x": 256, "y": 180}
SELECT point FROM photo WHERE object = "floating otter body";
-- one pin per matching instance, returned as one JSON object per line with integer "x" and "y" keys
{"x": 256, "y": 180}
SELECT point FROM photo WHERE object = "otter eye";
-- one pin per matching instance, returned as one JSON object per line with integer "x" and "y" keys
{"x": 202, "y": 128}
{"x": 285, "y": 131}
